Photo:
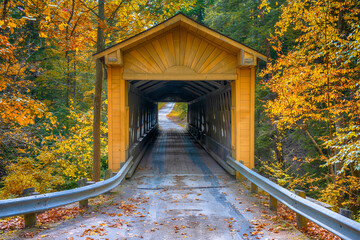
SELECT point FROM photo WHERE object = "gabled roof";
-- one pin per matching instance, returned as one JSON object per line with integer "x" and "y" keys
{"x": 184, "y": 21}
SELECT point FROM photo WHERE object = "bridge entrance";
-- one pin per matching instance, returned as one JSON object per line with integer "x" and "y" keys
{"x": 181, "y": 60}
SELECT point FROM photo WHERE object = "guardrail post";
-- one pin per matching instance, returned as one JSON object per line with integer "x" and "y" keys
{"x": 239, "y": 176}
{"x": 83, "y": 203}
{"x": 253, "y": 187}
{"x": 273, "y": 202}
{"x": 300, "y": 220}
{"x": 107, "y": 174}
{"x": 347, "y": 213}
{"x": 30, "y": 218}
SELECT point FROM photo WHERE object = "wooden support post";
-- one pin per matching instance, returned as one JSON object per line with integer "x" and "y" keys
{"x": 273, "y": 202}
{"x": 30, "y": 218}
{"x": 301, "y": 220}
{"x": 242, "y": 116}
{"x": 347, "y": 213}
{"x": 252, "y": 118}
{"x": 118, "y": 122}
{"x": 83, "y": 203}
{"x": 110, "y": 119}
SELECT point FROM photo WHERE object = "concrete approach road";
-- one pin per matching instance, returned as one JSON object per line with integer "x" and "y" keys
{"x": 177, "y": 192}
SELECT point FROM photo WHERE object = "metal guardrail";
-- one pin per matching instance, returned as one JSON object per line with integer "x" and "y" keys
{"x": 332, "y": 221}
{"x": 43, "y": 202}
{"x": 39, "y": 203}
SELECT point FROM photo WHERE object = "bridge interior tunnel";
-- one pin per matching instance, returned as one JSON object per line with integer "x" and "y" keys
{"x": 209, "y": 109}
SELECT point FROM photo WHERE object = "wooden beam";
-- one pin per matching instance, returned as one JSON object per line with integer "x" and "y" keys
{"x": 179, "y": 77}
{"x": 115, "y": 58}
{"x": 205, "y": 85}
{"x": 246, "y": 59}
{"x": 191, "y": 90}
{"x": 185, "y": 97}
{"x": 140, "y": 83}
{"x": 215, "y": 84}
{"x": 198, "y": 87}
{"x": 208, "y": 85}
{"x": 154, "y": 87}
{"x": 151, "y": 83}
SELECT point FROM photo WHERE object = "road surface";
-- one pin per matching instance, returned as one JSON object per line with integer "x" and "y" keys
{"x": 177, "y": 192}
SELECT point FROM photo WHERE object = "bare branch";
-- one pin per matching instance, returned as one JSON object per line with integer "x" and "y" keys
{"x": 112, "y": 16}
{"x": 90, "y": 9}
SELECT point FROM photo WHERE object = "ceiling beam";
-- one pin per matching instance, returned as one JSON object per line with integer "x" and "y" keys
{"x": 194, "y": 92}
{"x": 193, "y": 85}
{"x": 153, "y": 87}
{"x": 140, "y": 83}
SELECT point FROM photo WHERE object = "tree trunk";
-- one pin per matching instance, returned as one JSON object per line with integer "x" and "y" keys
{"x": 4, "y": 9}
{"x": 97, "y": 99}
{"x": 67, "y": 99}
{"x": 74, "y": 79}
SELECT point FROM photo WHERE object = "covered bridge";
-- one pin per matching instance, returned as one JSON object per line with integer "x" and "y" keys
{"x": 180, "y": 60}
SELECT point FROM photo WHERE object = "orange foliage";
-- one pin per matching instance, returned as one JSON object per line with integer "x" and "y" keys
{"x": 316, "y": 86}
{"x": 314, "y": 231}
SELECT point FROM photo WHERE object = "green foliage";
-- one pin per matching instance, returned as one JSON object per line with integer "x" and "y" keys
{"x": 246, "y": 21}
{"x": 179, "y": 111}
{"x": 197, "y": 11}
{"x": 161, "y": 105}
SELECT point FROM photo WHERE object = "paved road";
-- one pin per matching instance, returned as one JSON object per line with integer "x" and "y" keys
{"x": 165, "y": 123}
{"x": 178, "y": 192}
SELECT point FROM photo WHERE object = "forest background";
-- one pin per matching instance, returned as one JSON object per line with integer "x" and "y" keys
{"x": 307, "y": 96}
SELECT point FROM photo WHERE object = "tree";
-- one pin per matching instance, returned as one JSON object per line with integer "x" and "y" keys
{"x": 154, "y": 11}
{"x": 250, "y": 22}
{"x": 316, "y": 86}
{"x": 46, "y": 71}
{"x": 100, "y": 45}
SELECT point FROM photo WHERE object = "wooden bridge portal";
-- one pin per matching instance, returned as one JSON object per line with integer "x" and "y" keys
{"x": 182, "y": 60}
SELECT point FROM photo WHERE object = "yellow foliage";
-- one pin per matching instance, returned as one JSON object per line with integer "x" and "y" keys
{"x": 40, "y": 173}
{"x": 316, "y": 87}
{"x": 74, "y": 154}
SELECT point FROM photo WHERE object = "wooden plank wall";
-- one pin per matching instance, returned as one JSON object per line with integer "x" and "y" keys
{"x": 129, "y": 116}
{"x": 228, "y": 117}
{"x": 117, "y": 117}
{"x": 212, "y": 116}
{"x": 179, "y": 47}
{"x": 243, "y": 118}
{"x": 142, "y": 116}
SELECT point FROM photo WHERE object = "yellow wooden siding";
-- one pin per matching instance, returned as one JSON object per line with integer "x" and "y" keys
{"x": 179, "y": 47}
{"x": 243, "y": 116}
{"x": 118, "y": 120}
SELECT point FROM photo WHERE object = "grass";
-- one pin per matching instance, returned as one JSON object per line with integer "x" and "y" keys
{"x": 161, "y": 105}
{"x": 179, "y": 112}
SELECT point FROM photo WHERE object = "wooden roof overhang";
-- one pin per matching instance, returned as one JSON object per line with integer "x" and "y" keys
{"x": 173, "y": 79}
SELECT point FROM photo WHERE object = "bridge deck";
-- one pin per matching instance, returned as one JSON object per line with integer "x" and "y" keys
{"x": 178, "y": 192}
